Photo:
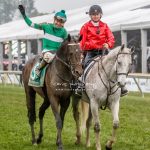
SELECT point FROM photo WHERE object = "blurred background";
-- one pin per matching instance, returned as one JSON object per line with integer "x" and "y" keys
{"x": 129, "y": 21}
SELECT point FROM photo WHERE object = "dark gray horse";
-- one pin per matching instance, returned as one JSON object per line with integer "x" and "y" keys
{"x": 56, "y": 92}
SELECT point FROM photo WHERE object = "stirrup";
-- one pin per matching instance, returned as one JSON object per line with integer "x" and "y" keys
{"x": 79, "y": 90}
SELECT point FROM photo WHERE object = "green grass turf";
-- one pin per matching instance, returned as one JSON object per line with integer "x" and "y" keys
{"x": 133, "y": 134}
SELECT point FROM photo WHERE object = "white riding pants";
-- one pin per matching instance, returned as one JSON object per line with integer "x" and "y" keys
{"x": 48, "y": 56}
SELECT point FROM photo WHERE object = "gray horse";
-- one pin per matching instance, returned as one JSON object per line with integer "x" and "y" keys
{"x": 102, "y": 85}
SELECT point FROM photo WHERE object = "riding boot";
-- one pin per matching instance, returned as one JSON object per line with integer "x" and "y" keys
{"x": 124, "y": 91}
{"x": 40, "y": 66}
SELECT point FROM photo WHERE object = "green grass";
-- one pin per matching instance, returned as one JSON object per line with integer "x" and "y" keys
{"x": 133, "y": 134}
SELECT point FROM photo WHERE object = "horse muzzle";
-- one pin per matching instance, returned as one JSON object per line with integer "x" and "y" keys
{"x": 120, "y": 84}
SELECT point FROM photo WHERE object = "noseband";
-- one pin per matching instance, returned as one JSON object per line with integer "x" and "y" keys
{"x": 71, "y": 66}
{"x": 109, "y": 87}
{"x": 122, "y": 73}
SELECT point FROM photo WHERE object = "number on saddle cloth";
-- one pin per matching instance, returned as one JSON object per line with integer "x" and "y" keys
{"x": 35, "y": 80}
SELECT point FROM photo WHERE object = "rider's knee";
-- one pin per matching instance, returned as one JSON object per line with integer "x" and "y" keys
{"x": 48, "y": 57}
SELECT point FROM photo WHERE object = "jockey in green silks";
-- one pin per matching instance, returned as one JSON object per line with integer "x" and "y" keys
{"x": 54, "y": 35}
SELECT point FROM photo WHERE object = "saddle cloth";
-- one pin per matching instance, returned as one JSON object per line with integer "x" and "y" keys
{"x": 82, "y": 78}
{"x": 35, "y": 80}
{"x": 88, "y": 68}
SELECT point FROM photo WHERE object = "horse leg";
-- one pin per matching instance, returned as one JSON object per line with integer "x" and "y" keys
{"x": 115, "y": 114}
{"x": 75, "y": 105}
{"x": 30, "y": 97}
{"x": 42, "y": 109}
{"x": 88, "y": 125}
{"x": 95, "y": 115}
{"x": 64, "y": 104}
{"x": 55, "y": 109}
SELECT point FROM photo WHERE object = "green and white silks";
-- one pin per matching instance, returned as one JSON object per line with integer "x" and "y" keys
{"x": 53, "y": 36}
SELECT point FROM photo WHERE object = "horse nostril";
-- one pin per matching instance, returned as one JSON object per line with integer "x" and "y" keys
{"x": 77, "y": 72}
{"x": 119, "y": 84}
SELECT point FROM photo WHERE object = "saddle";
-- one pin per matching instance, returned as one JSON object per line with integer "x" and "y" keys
{"x": 81, "y": 89}
{"x": 90, "y": 65}
{"x": 35, "y": 80}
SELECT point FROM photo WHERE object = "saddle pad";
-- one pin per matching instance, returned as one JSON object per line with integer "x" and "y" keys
{"x": 34, "y": 80}
{"x": 88, "y": 68}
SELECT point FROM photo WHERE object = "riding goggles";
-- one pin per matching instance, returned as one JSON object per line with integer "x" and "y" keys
{"x": 60, "y": 19}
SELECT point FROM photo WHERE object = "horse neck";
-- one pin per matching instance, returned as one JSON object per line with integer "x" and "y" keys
{"x": 109, "y": 64}
{"x": 61, "y": 53}
{"x": 61, "y": 68}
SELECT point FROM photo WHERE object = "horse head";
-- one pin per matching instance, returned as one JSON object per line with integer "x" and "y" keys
{"x": 70, "y": 55}
{"x": 123, "y": 64}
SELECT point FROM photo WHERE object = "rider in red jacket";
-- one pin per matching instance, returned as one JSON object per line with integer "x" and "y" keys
{"x": 96, "y": 35}
{"x": 97, "y": 38}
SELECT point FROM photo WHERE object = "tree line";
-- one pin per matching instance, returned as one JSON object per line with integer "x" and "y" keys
{"x": 9, "y": 10}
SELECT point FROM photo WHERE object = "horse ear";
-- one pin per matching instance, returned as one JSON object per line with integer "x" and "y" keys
{"x": 122, "y": 47}
{"x": 69, "y": 37}
{"x": 80, "y": 38}
{"x": 132, "y": 49}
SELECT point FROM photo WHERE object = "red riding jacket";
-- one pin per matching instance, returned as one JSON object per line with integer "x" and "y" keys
{"x": 93, "y": 37}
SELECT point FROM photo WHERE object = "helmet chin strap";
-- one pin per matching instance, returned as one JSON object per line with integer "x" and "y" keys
{"x": 95, "y": 23}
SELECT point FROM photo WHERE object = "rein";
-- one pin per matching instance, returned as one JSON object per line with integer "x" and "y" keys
{"x": 69, "y": 66}
{"x": 122, "y": 73}
{"x": 109, "y": 88}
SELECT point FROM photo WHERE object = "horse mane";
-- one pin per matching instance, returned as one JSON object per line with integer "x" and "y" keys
{"x": 113, "y": 53}
{"x": 62, "y": 48}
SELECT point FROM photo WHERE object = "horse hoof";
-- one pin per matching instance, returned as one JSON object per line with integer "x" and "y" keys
{"x": 77, "y": 142}
{"x": 39, "y": 140}
{"x": 57, "y": 144}
{"x": 108, "y": 148}
{"x": 34, "y": 142}
{"x": 60, "y": 148}
{"x": 88, "y": 144}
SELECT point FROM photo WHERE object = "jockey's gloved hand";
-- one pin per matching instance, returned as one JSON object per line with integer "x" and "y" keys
{"x": 105, "y": 46}
{"x": 22, "y": 10}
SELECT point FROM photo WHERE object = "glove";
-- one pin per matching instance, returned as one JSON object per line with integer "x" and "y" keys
{"x": 22, "y": 10}
{"x": 105, "y": 46}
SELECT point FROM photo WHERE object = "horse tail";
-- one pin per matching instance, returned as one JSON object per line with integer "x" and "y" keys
{"x": 84, "y": 115}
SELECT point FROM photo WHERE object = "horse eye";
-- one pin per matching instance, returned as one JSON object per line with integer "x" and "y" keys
{"x": 71, "y": 53}
{"x": 119, "y": 63}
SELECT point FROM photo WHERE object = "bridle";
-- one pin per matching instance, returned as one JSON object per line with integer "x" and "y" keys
{"x": 116, "y": 70}
{"x": 110, "y": 82}
{"x": 122, "y": 73}
{"x": 71, "y": 66}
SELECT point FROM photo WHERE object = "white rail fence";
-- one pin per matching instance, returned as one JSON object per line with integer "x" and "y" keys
{"x": 135, "y": 81}
{"x": 11, "y": 77}
{"x": 139, "y": 82}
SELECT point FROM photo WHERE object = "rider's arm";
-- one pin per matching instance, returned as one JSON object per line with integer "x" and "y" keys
{"x": 83, "y": 34}
{"x": 110, "y": 37}
{"x": 27, "y": 20}
{"x": 33, "y": 25}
